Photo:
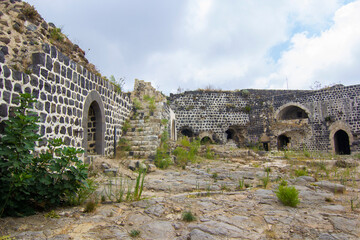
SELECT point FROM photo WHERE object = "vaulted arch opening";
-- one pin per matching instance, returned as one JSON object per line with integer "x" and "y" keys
{"x": 187, "y": 131}
{"x": 292, "y": 112}
{"x": 342, "y": 143}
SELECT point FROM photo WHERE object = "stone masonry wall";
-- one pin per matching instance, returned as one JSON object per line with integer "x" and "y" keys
{"x": 255, "y": 115}
{"x": 209, "y": 111}
{"x": 63, "y": 90}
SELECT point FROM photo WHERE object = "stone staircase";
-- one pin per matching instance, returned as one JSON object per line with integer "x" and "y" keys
{"x": 143, "y": 137}
{"x": 146, "y": 122}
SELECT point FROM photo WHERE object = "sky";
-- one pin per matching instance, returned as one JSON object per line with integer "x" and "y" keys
{"x": 221, "y": 44}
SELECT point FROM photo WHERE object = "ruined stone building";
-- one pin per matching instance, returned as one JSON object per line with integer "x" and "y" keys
{"x": 86, "y": 110}
{"x": 325, "y": 120}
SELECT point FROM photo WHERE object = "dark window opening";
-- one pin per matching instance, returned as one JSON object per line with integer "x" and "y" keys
{"x": 342, "y": 144}
{"x": 283, "y": 142}
{"x": 266, "y": 146}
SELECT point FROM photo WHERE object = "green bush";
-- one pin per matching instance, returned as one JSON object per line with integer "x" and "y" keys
{"x": 289, "y": 196}
{"x": 134, "y": 233}
{"x": 162, "y": 156}
{"x": 55, "y": 34}
{"x": 188, "y": 216}
{"x": 301, "y": 172}
{"x": 187, "y": 152}
{"x": 29, "y": 183}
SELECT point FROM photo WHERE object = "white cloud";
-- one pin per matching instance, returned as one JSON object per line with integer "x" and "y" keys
{"x": 225, "y": 43}
{"x": 326, "y": 57}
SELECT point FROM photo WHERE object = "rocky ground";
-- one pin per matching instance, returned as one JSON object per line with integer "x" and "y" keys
{"x": 209, "y": 189}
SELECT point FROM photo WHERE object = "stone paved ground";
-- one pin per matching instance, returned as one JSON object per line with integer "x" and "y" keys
{"x": 221, "y": 211}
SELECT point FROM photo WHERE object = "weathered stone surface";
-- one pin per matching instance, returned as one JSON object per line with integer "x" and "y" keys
{"x": 112, "y": 172}
{"x": 158, "y": 230}
{"x": 157, "y": 210}
{"x": 197, "y": 234}
{"x": 347, "y": 225}
{"x": 219, "y": 229}
{"x": 332, "y": 187}
{"x": 346, "y": 163}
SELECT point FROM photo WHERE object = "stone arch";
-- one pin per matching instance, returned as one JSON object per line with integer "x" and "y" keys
{"x": 341, "y": 138}
{"x": 206, "y": 137}
{"x": 187, "y": 131}
{"x": 291, "y": 111}
{"x": 93, "y": 124}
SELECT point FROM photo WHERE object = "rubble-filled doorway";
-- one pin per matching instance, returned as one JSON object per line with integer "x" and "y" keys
{"x": 341, "y": 141}
{"x": 283, "y": 142}
{"x": 91, "y": 131}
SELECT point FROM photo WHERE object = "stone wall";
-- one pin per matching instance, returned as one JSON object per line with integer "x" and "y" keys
{"x": 72, "y": 103}
{"x": 257, "y": 116}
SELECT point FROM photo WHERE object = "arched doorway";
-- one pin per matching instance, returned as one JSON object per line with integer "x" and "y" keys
{"x": 341, "y": 142}
{"x": 93, "y": 125}
{"x": 283, "y": 142}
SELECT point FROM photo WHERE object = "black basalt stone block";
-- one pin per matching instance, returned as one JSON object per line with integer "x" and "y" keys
{"x": 8, "y": 85}
{"x": 3, "y": 110}
{"x": 26, "y": 78}
{"x": 47, "y": 107}
{"x": 35, "y": 93}
{"x": 63, "y": 71}
{"x": 38, "y": 58}
{"x": 44, "y": 73}
{"x": 46, "y": 48}
{"x": 17, "y": 88}
{"x": 49, "y": 64}
{"x": 17, "y": 75}
{"x": 53, "y": 52}
{"x": 63, "y": 130}
{"x": 7, "y": 71}
{"x": 57, "y": 67}
{"x": 15, "y": 98}
{"x": 6, "y": 96}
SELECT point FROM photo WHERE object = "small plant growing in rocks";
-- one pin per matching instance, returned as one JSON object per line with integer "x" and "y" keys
{"x": 51, "y": 214}
{"x": 90, "y": 206}
{"x": 30, "y": 12}
{"x": 241, "y": 184}
{"x": 55, "y": 34}
{"x": 134, "y": 233}
{"x": 301, "y": 172}
{"x": 188, "y": 216}
{"x": 289, "y": 196}
{"x": 266, "y": 180}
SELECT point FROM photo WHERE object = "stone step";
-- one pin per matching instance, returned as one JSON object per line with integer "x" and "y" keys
{"x": 142, "y": 138}
{"x": 139, "y": 133}
{"x": 144, "y": 148}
